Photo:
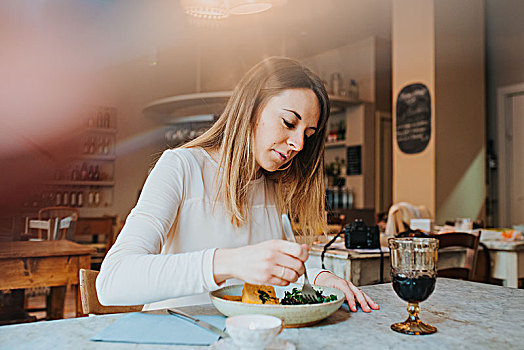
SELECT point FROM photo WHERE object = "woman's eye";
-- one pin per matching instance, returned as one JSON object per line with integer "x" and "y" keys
{"x": 288, "y": 124}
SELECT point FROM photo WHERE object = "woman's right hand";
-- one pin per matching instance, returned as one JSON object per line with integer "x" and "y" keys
{"x": 275, "y": 262}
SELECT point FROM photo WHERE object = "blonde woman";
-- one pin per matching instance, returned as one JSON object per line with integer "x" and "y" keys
{"x": 210, "y": 212}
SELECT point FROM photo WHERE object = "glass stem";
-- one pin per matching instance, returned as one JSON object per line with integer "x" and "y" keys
{"x": 413, "y": 310}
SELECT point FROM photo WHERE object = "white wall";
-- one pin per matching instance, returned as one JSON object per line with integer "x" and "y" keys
{"x": 353, "y": 61}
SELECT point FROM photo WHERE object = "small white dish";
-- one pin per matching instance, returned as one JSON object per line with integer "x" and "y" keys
{"x": 253, "y": 331}
{"x": 277, "y": 344}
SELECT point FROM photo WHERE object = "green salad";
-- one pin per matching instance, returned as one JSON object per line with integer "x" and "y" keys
{"x": 295, "y": 298}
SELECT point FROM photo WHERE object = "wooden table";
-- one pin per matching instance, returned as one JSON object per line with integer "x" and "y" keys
{"x": 55, "y": 264}
{"x": 363, "y": 268}
{"x": 507, "y": 262}
{"x": 467, "y": 315}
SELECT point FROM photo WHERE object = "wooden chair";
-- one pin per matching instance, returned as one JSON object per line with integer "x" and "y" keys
{"x": 50, "y": 229}
{"x": 41, "y": 229}
{"x": 90, "y": 303}
{"x": 470, "y": 241}
{"x": 68, "y": 217}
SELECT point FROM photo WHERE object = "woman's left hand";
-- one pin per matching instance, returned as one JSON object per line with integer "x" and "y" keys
{"x": 328, "y": 279}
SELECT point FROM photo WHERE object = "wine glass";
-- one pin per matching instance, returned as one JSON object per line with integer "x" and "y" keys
{"x": 414, "y": 270}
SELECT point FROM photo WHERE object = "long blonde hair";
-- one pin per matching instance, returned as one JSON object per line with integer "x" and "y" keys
{"x": 300, "y": 188}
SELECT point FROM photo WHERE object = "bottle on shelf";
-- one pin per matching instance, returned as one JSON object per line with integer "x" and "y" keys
{"x": 83, "y": 172}
{"x": 350, "y": 198}
{"x": 80, "y": 199}
{"x": 343, "y": 169}
{"x": 100, "y": 148}
{"x": 58, "y": 198}
{"x": 106, "y": 146}
{"x": 91, "y": 122}
{"x": 97, "y": 198}
{"x": 99, "y": 118}
{"x": 90, "y": 198}
{"x": 51, "y": 198}
{"x": 73, "y": 199}
{"x": 107, "y": 118}
{"x": 75, "y": 174}
{"x": 91, "y": 173}
{"x": 96, "y": 174}
{"x": 85, "y": 149}
{"x": 65, "y": 198}
{"x": 92, "y": 146}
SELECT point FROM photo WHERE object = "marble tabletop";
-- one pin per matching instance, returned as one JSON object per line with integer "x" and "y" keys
{"x": 468, "y": 315}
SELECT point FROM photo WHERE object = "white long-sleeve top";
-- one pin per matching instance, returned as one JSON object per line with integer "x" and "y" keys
{"x": 163, "y": 257}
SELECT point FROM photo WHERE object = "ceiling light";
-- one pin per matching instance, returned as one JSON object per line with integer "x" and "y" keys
{"x": 247, "y": 7}
{"x": 219, "y": 9}
{"x": 206, "y": 9}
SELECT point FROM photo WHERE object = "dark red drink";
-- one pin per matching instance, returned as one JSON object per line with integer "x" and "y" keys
{"x": 414, "y": 290}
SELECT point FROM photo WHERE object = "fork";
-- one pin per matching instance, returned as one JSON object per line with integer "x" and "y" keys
{"x": 308, "y": 293}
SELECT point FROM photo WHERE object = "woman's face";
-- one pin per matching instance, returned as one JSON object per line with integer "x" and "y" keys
{"x": 283, "y": 126}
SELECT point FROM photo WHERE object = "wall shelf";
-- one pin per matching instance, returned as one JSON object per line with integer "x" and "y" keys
{"x": 81, "y": 183}
{"x": 101, "y": 130}
{"x": 94, "y": 157}
{"x": 169, "y": 109}
{"x": 336, "y": 144}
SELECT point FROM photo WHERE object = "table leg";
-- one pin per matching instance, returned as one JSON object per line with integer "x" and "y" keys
{"x": 76, "y": 291}
{"x": 56, "y": 302}
{"x": 511, "y": 264}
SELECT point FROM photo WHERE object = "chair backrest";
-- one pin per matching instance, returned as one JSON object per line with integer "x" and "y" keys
{"x": 45, "y": 229}
{"x": 90, "y": 303}
{"x": 400, "y": 214}
{"x": 68, "y": 217}
{"x": 470, "y": 241}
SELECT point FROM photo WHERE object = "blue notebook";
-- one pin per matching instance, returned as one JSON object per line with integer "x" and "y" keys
{"x": 140, "y": 328}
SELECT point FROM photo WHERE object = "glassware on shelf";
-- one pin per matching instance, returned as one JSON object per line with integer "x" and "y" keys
{"x": 336, "y": 83}
{"x": 353, "y": 89}
{"x": 414, "y": 272}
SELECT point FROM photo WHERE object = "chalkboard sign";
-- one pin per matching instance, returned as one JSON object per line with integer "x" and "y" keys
{"x": 413, "y": 118}
{"x": 354, "y": 160}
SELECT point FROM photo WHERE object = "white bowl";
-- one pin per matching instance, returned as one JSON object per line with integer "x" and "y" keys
{"x": 253, "y": 331}
{"x": 291, "y": 315}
